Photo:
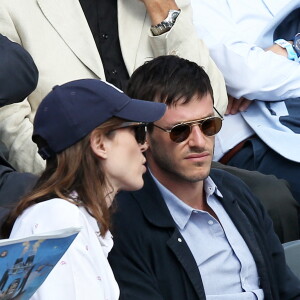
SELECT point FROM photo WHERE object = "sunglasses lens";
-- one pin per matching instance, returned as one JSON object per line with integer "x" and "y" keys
{"x": 140, "y": 134}
{"x": 180, "y": 133}
{"x": 211, "y": 126}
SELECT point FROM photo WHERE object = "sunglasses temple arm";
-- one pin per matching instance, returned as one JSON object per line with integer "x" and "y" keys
{"x": 218, "y": 113}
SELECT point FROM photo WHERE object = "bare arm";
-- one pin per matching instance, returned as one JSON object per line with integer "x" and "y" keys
{"x": 278, "y": 50}
{"x": 158, "y": 10}
{"x": 182, "y": 40}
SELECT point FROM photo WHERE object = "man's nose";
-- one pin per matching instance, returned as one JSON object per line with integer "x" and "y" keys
{"x": 197, "y": 137}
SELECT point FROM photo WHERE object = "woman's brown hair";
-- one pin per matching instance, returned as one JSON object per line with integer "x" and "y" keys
{"x": 77, "y": 168}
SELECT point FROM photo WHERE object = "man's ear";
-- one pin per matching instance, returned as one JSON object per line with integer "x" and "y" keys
{"x": 98, "y": 144}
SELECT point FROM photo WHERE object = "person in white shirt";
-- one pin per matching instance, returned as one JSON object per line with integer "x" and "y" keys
{"x": 92, "y": 136}
{"x": 263, "y": 135}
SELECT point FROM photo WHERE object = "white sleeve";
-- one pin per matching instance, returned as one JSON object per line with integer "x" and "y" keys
{"x": 16, "y": 132}
{"x": 16, "y": 119}
{"x": 249, "y": 71}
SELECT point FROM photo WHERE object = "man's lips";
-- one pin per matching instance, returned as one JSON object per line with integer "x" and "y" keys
{"x": 198, "y": 156}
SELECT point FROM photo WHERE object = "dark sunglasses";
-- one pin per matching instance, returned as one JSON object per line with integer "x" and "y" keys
{"x": 180, "y": 132}
{"x": 140, "y": 130}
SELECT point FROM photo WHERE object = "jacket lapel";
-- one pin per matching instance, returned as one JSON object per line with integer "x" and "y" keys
{"x": 243, "y": 226}
{"x": 153, "y": 205}
{"x": 181, "y": 250}
{"x": 131, "y": 17}
{"x": 68, "y": 19}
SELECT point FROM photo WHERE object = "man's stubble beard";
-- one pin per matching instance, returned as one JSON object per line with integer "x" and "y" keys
{"x": 169, "y": 166}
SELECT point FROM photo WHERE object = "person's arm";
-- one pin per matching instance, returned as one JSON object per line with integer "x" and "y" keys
{"x": 158, "y": 10}
{"x": 16, "y": 130}
{"x": 277, "y": 50}
{"x": 249, "y": 71}
{"x": 182, "y": 40}
{"x": 15, "y": 119}
{"x": 13, "y": 185}
{"x": 18, "y": 72}
{"x": 237, "y": 105}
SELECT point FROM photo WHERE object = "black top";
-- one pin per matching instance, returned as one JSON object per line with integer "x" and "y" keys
{"x": 102, "y": 17}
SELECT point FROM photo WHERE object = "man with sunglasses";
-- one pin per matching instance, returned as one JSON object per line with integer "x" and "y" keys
{"x": 192, "y": 232}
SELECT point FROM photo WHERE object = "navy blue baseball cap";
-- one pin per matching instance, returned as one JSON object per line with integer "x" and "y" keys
{"x": 72, "y": 110}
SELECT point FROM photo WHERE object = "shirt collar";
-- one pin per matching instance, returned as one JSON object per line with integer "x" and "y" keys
{"x": 180, "y": 211}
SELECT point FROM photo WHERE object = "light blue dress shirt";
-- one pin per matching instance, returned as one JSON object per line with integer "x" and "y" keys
{"x": 227, "y": 268}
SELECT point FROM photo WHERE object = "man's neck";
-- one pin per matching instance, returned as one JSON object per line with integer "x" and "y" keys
{"x": 191, "y": 193}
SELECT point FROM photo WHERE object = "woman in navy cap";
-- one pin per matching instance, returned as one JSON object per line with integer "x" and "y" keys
{"x": 92, "y": 137}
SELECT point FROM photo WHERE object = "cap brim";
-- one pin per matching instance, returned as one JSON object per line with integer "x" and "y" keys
{"x": 142, "y": 111}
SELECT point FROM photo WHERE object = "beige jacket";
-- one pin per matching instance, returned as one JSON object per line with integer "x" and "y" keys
{"x": 57, "y": 35}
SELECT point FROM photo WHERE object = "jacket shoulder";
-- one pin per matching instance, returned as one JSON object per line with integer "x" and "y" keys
{"x": 234, "y": 188}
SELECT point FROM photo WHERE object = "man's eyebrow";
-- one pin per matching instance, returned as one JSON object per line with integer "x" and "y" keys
{"x": 189, "y": 121}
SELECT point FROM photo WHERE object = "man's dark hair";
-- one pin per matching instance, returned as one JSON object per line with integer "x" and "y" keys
{"x": 168, "y": 79}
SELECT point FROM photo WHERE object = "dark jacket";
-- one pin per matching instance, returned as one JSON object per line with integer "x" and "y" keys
{"x": 18, "y": 72}
{"x": 13, "y": 185}
{"x": 151, "y": 260}
{"x": 18, "y": 78}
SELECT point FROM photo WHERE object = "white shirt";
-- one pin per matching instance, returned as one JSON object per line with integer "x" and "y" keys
{"x": 232, "y": 30}
{"x": 237, "y": 32}
{"x": 83, "y": 273}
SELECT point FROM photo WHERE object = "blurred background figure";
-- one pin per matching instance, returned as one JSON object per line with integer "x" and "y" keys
{"x": 18, "y": 78}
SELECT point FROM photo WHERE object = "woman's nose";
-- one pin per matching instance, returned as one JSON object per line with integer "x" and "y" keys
{"x": 144, "y": 146}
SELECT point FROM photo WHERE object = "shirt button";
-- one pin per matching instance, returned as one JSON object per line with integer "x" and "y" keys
{"x": 210, "y": 222}
{"x": 114, "y": 72}
{"x": 179, "y": 240}
{"x": 104, "y": 36}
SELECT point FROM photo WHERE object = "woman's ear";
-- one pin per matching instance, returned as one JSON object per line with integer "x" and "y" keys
{"x": 98, "y": 144}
